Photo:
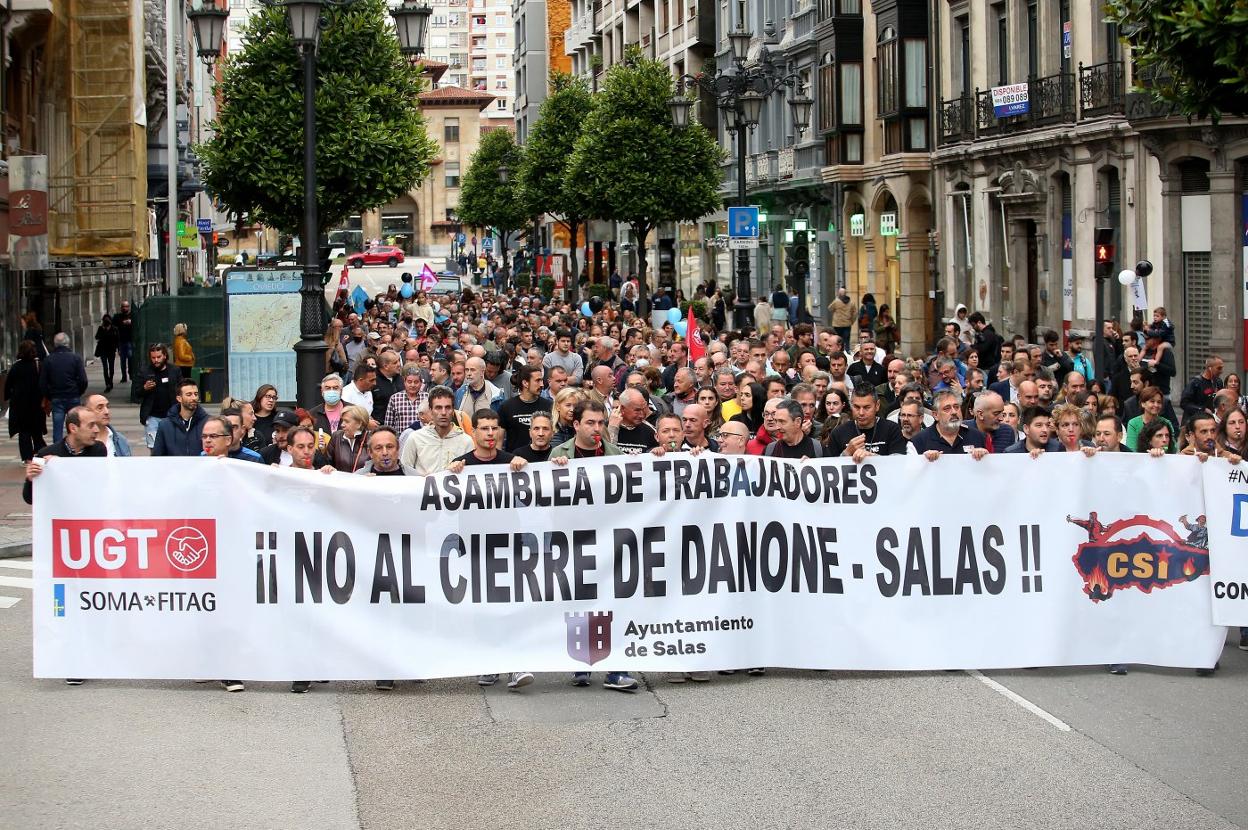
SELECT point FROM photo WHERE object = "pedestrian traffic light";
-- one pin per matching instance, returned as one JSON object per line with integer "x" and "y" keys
{"x": 1103, "y": 251}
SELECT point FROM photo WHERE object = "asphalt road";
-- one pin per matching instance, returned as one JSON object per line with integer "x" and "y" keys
{"x": 377, "y": 278}
{"x": 1155, "y": 749}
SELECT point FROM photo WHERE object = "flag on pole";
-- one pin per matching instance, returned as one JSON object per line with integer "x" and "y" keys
{"x": 428, "y": 279}
{"x": 697, "y": 348}
{"x": 344, "y": 283}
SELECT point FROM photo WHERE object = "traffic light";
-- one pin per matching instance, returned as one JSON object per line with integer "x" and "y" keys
{"x": 1103, "y": 251}
{"x": 801, "y": 256}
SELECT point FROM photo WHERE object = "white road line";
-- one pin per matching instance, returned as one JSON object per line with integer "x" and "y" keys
{"x": 17, "y": 582}
{"x": 9, "y": 602}
{"x": 17, "y": 564}
{"x": 1019, "y": 699}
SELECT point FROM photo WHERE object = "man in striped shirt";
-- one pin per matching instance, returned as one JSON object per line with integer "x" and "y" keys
{"x": 404, "y": 407}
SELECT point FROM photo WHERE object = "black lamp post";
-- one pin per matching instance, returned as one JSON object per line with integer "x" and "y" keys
{"x": 504, "y": 176}
{"x": 740, "y": 92}
{"x": 411, "y": 22}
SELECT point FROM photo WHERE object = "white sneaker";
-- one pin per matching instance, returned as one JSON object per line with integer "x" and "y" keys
{"x": 519, "y": 679}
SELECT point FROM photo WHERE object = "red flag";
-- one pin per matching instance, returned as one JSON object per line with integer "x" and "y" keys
{"x": 344, "y": 284}
{"x": 697, "y": 348}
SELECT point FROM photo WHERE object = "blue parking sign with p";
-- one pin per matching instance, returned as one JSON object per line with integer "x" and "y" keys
{"x": 743, "y": 222}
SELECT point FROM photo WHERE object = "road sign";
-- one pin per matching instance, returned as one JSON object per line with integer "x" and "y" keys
{"x": 460, "y": 239}
{"x": 742, "y": 243}
{"x": 743, "y": 223}
{"x": 487, "y": 244}
{"x": 204, "y": 225}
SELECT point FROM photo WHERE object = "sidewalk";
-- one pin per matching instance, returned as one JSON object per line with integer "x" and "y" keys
{"x": 15, "y": 514}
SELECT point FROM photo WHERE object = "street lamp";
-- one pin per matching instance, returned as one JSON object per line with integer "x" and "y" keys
{"x": 411, "y": 22}
{"x": 740, "y": 93}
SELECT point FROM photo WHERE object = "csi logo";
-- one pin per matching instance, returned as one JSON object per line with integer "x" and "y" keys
{"x": 134, "y": 548}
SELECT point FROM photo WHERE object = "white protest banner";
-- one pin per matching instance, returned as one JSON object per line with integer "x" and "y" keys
{"x": 187, "y": 568}
{"x": 1226, "y": 506}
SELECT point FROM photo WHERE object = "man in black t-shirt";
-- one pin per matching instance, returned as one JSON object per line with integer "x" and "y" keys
{"x": 486, "y": 437}
{"x": 541, "y": 430}
{"x": 791, "y": 438}
{"x": 867, "y": 434}
{"x": 516, "y": 413}
{"x": 628, "y": 429}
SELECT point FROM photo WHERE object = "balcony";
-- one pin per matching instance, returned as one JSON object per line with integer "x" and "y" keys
{"x": 579, "y": 34}
{"x": 1102, "y": 89}
{"x": 956, "y": 120}
{"x": 785, "y": 169}
{"x": 1051, "y": 100}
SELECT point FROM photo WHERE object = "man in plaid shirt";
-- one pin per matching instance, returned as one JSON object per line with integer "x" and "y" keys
{"x": 404, "y": 407}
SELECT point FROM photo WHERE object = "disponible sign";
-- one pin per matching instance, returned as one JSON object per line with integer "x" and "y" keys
{"x": 1010, "y": 100}
{"x": 231, "y": 569}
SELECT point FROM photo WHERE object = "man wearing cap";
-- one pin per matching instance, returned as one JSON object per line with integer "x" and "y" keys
{"x": 1078, "y": 360}
{"x": 278, "y": 452}
{"x": 1158, "y": 359}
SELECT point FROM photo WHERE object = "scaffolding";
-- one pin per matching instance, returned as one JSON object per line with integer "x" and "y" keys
{"x": 97, "y": 182}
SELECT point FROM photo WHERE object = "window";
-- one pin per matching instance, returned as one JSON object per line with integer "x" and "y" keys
{"x": 500, "y": 82}
{"x": 916, "y": 73}
{"x": 853, "y": 7}
{"x": 827, "y": 93}
{"x": 886, "y": 71}
{"x": 1033, "y": 40}
{"x": 455, "y": 19}
{"x": 438, "y": 20}
{"x": 452, "y": 174}
{"x": 853, "y": 148}
{"x": 437, "y": 41}
{"x": 478, "y": 20}
{"x": 851, "y": 93}
{"x": 917, "y": 128}
{"x": 450, "y": 131}
{"x": 501, "y": 104}
{"x": 963, "y": 79}
{"x": 502, "y": 19}
{"x": 1003, "y": 44}
{"x": 500, "y": 40}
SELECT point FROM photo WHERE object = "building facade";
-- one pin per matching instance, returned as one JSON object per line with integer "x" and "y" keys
{"x": 423, "y": 221}
{"x": 476, "y": 40}
{"x": 540, "y": 27}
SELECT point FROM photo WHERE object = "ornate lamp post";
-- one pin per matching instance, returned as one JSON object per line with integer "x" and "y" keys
{"x": 411, "y": 22}
{"x": 740, "y": 92}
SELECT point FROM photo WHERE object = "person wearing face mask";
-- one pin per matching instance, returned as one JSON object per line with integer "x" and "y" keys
{"x": 326, "y": 415}
{"x": 355, "y": 347}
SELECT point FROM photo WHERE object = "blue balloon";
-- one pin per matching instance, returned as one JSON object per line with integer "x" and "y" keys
{"x": 585, "y": 309}
{"x": 674, "y": 316}
{"x": 406, "y": 291}
{"x": 681, "y": 327}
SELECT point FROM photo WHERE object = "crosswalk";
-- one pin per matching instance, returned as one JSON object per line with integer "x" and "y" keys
{"x": 16, "y": 581}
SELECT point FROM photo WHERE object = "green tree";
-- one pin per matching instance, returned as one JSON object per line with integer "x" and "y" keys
{"x": 543, "y": 176}
{"x": 1195, "y": 52}
{"x": 631, "y": 165}
{"x": 485, "y": 201}
{"x": 371, "y": 139}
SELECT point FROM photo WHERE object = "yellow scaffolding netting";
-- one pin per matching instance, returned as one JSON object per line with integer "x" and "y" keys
{"x": 97, "y": 160}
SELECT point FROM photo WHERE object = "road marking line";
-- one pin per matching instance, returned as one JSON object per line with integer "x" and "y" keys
{"x": 17, "y": 564}
{"x": 17, "y": 582}
{"x": 9, "y": 602}
{"x": 1019, "y": 699}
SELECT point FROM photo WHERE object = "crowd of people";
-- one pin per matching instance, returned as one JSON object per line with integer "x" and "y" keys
{"x": 421, "y": 385}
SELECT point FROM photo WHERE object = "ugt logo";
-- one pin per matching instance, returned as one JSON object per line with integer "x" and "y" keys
{"x": 589, "y": 635}
{"x": 1154, "y": 557}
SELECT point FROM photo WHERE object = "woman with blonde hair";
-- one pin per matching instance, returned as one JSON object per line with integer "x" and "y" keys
{"x": 183, "y": 354}
{"x": 565, "y": 401}
{"x": 346, "y": 451}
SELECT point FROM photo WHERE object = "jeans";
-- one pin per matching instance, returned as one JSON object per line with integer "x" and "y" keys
{"x": 60, "y": 406}
{"x": 149, "y": 430}
{"x": 123, "y": 352}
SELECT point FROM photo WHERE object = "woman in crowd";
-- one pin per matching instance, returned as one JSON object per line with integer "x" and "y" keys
{"x": 1235, "y": 385}
{"x": 107, "y": 339}
{"x": 833, "y": 409}
{"x": 33, "y": 331}
{"x": 25, "y": 402}
{"x": 1151, "y": 403}
{"x": 1156, "y": 438}
{"x": 1233, "y": 433}
{"x": 264, "y": 406}
{"x": 886, "y": 336}
{"x": 183, "y": 354}
{"x": 709, "y": 399}
{"x": 751, "y": 398}
{"x": 1009, "y": 416}
{"x": 347, "y": 449}
{"x": 335, "y": 354}
{"x": 565, "y": 401}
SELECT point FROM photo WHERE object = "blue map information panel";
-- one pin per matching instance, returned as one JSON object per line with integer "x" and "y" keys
{"x": 261, "y": 329}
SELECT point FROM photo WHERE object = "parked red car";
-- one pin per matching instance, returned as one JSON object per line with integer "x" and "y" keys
{"x": 390, "y": 255}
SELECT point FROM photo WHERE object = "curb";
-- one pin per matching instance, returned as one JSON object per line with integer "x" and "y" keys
{"x": 16, "y": 551}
